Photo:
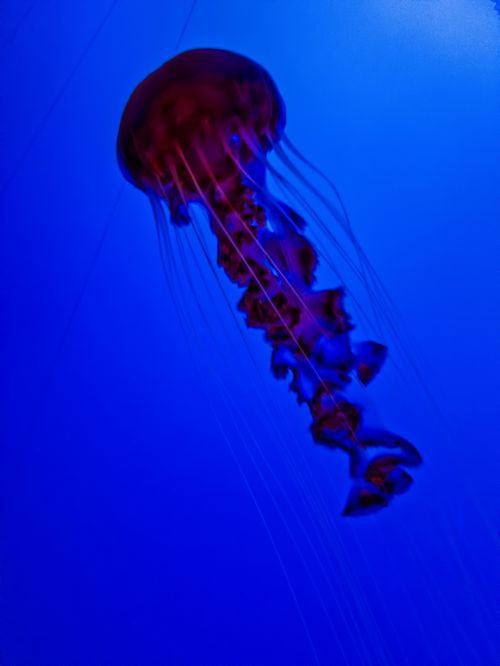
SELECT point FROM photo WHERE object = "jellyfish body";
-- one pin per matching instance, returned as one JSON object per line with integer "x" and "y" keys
{"x": 197, "y": 130}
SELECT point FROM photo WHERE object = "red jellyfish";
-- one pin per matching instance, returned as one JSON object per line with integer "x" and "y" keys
{"x": 198, "y": 130}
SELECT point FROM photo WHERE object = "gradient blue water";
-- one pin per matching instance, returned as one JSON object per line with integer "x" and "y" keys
{"x": 134, "y": 528}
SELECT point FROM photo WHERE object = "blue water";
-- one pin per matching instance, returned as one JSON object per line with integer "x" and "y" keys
{"x": 161, "y": 501}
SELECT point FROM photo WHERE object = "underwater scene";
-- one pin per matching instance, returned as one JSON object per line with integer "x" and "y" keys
{"x": 249, "y": 333}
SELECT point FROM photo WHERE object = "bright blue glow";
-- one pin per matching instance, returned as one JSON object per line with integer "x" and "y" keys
{"x": 128, "y": 533}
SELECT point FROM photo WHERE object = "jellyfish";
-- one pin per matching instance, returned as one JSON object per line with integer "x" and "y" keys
{"x": 198, "y": 130}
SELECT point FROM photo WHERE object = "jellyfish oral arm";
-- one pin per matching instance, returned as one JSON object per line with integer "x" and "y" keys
{"x": 310, "y": 335}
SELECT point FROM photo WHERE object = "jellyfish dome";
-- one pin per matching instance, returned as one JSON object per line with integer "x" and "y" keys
{"x": 192, "y": 109}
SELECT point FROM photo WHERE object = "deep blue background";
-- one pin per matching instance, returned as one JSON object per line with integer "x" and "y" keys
{"x": 153, "y": 515}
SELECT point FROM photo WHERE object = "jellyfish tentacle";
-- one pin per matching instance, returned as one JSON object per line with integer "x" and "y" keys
{"x": 342, "y": 218}
{"x": 348, "y": 226}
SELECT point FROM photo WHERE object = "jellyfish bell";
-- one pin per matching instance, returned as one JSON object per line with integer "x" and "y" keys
{"x": 199, "y": 108}
{"x": 197, "y": 131}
